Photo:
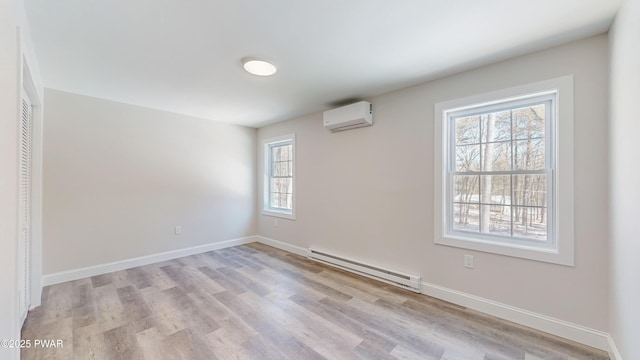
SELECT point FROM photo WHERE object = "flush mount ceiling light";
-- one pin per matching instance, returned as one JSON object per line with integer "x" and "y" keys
{"x": 258, "y": 67}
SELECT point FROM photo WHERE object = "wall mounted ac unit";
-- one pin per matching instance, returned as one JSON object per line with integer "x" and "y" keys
{"x": 349, "y": 117}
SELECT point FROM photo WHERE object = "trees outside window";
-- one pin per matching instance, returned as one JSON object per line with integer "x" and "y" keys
{"x": 499, "y": 176}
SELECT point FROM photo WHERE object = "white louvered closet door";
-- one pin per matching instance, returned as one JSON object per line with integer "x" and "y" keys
{"x": 24, "y": 208}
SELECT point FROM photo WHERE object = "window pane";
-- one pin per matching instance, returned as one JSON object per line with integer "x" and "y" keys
{"x": 285, "y": 152}
{"x": 496, "y": 156}
{"x": 495, "y": 189}
{"x": 281, "y": 152}
{"x": 466, "y": 189}
{"x": 275, "y": 200}
{"x": 467, "y": 130}
{"x": 282, "y": 168}
{"x": 275, "y": 153}
{"x": 529, "y": 122}
{"x": 465, "y": 217}
{"x": 283, "y": 201}
{"x": 496, "y": 126}
{"x": 275, "y": 185}
{"x": 530, "y": 223}
{"x": 468, "y": 158}
{"x": 282, "y": 185}
{"x": 288, "y": 168}
{"x": 529, "y": 154}
{"x": 289, "y": 201}
{"x": 530, "y": 190}
{"x": 286, "y": 186}
{"x": 496, "y": 219}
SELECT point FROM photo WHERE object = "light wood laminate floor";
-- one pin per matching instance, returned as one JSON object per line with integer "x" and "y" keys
{"x": 257, "y": 302}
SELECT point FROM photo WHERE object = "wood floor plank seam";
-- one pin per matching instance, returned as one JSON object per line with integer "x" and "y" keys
{"x": 257, "y": 302}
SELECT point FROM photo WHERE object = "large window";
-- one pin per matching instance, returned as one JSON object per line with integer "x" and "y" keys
{"x": 279, "y": 155}
{"x": 499, "y": 187}
{"x": 499, "y": 171}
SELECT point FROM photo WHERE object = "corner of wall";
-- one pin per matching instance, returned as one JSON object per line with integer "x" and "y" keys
{"x": 624, "y": 294}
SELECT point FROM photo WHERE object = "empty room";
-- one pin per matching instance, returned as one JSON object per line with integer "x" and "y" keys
{"x": 209, "y": 179}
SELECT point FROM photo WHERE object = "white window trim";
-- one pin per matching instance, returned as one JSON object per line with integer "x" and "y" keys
{"x": 562, "y": 251}
{"x": 265, "y": 173}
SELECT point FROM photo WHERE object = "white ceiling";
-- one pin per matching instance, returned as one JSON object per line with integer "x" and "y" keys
{"x": 184, "y": 56}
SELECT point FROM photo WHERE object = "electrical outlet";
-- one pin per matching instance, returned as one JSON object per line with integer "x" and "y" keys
{"x": 468, "y": 261}
{"x": 275, "y": 222}
{"x": 178, "y": 230}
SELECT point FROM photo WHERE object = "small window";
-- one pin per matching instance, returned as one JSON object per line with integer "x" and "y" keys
{"x": 500, "y": 186}
{"x": 279, "y": 155}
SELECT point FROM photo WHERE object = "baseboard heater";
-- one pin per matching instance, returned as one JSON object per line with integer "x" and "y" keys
{"x": 409, "y": 282}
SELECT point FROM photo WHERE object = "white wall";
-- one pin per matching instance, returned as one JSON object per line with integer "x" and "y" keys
{"x": 625, "y": 193}
{"x": 118, "y": 178}
{"x": 8, "y": 179}
{"x": 368, "y": 193}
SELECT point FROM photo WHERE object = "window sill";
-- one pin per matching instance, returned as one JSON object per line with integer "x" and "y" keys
{"x": 543, "y": 254}
{"x": 280, "y": 214}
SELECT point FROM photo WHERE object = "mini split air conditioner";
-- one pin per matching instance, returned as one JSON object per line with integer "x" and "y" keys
{"x": 349, "y": 117}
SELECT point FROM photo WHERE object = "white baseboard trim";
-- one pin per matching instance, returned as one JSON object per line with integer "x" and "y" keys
{"x": 561, "y": 328}
{"x": 614, "y": 354}
{"x": 564, "y": 329}
{"x": 89, "y": 271}
{"x": 283, "y": 246}
{"x": 581, "y": 334}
